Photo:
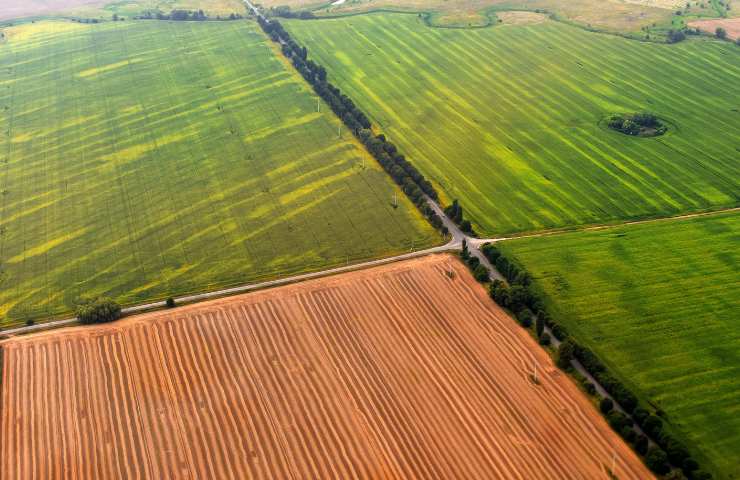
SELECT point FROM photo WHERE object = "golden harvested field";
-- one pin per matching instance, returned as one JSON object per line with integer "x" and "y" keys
{"x": 394, "y": 372}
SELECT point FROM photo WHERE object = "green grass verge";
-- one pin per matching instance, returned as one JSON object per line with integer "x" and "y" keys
{"x": 507, "y": 119}
{"x": 146, "y": 159}
{"x": 659, "y": 303}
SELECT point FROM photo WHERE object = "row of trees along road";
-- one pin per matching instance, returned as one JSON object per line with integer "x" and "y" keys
{"x": 413, "y": 183}
{"x": 519, "y": 295}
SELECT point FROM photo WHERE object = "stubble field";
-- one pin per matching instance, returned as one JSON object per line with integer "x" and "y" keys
{"x": 508, "y": 119}
{"x": 146, "y": 159}
{"x": 396, "y": 372}
{"x": 659, "y": 302}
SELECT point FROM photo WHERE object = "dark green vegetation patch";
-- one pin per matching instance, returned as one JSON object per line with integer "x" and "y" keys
{"x": 659, "y": 302}
{"x": 506, "y": 119}
{"x": 637, "y": 124}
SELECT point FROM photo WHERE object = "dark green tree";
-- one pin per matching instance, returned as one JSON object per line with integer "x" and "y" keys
{"x": 606, "y": 405}
{"x": 98, "y": 310}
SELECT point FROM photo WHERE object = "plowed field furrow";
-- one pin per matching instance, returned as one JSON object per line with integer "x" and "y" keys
{"x": 395, "y": 372}
{"x": 391, "y": 411}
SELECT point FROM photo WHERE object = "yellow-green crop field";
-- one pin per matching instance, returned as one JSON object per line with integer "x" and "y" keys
{"x": 509, "y": 119}
{"x": 659, "y": 303}
{"x": 146, "y": 159}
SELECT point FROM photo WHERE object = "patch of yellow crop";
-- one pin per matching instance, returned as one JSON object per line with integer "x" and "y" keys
{"x": 309, "y": 188}
{"x": 21, "y": 137}
{"x": 26, "y": 31}
{"x": 46, "y": 246}
{"x": 287, "y": 124}
{"x": 138, "y": 150}
{"x": 106, "y": 68}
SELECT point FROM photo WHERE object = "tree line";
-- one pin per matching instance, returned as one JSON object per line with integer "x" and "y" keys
{"x": 185, "y": 16}
{"x": 519, "y": 296}
{"x": 406, "y": 175}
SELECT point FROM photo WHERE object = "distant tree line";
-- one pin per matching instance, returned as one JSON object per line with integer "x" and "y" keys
{"x": 413, "y": 183}
{"x": 184, "y": 16}
{"x": 286, "y": 12}
{"x": 518, "y": 295}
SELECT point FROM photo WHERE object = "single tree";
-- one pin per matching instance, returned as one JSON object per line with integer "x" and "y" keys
{"x": 606, "y": 405}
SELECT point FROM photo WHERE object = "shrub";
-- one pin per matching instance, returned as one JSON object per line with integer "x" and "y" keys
{"x": 701, "y": 475}
{"x": 652, "y": 426}
{"x": 519, "y": 298}
{"x": 473, "y": 262}
{"x": 565, "y": 354}
{"x": 675, "y": 36}
{"x": 30, "y": 322}
{"x": 539, "y": 326}
{"x": 525, "y": 317}
{"x": 481, "y": 273}
{"x": 720, "y": 33}
{"x": 689, "y": 465}
{"x": 606, "y": 405}
{"x": 558, "y": 331}
{"x": 640, "y": 414}
{"x": 170, "y": 302}
{"x": 618, "y": 420}
{"x": 544, "y": 339}
{"x": 641, "y": 444}
{"x": 676, "y": 452}
{"x": 491, "y": 252}
{"x": 98, "y": 310}
{"x": 590, "y": 388}
{"x": 657, "y": 461}
{"x": 629, "y": 434}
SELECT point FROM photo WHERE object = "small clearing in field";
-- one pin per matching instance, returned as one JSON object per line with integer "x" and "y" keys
{"x": 400, "y": 371}
{"x": 731, "y": 25}
{"x": 521, "y": 18}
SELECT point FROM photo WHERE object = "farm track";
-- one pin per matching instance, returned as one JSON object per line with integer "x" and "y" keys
{"x": 394, "y": 372}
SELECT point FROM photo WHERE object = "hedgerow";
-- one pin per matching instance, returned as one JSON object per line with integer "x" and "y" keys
{"x": 411, "y": 181}
{"x": 519, "y": 296}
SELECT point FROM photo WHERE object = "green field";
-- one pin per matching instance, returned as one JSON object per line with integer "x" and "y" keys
{"x": 507, "y": 119}
{"x": 146, "y": 159}
{"x": 660, "y": 302}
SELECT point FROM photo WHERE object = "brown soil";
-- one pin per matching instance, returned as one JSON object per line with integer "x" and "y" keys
{"x": 732, "y": 25}
{"x": 394, "y": 372}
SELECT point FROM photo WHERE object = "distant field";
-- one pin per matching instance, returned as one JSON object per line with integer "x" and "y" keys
{"x": 507, "y": 119}
{"x": 105, "y": 8}
{"x": 661, "y": 303}
{"x": 398, "y": 372}
{"x": 731, "y": 26}
{"x": 612, "y": 15}
{"x": 145, "y": 159}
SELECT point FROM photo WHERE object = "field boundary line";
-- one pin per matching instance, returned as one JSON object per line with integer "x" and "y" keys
{"x": 547, "y": 233}
{"x": 453, "y": 244}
